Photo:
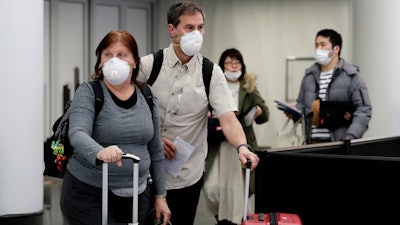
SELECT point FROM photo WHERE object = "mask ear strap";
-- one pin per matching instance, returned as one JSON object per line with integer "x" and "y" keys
{"x": 178, "y": 36}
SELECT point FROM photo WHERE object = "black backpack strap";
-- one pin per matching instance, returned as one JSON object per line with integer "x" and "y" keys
{"x": 207, "y": 73}
{"x": 146, "y": 91}
{"x": 158, "y": 60}
{"x": 99, "y": 96}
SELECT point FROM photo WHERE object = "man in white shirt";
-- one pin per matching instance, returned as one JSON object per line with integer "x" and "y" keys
{"x": 184, "y": 105}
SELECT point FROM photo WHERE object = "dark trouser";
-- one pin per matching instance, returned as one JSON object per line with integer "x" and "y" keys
{"x": 183, "y": 203}
{"x": 81, "y": 204}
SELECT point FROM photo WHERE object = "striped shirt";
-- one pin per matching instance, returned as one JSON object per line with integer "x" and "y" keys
{"x": 322, "y": 134}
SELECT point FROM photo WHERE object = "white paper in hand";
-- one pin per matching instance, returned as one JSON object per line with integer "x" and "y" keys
{"x": 185, "y": 150}
{"x": 249, "y": 117}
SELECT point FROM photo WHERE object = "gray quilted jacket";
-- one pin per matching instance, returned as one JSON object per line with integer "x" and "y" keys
{"x": 346, "y": 85}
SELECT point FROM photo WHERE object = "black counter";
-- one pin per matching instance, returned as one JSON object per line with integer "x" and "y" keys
{"x": 333, "y": 183}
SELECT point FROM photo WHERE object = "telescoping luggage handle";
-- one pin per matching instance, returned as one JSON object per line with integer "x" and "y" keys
{"x": 246, "y": 189}
{"x": 135, "y": 159}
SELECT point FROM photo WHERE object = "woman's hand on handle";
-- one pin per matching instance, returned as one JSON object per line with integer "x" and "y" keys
{"x": 111, "y": 154}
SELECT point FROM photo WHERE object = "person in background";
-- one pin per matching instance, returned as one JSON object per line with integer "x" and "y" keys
{"x": 225, "y": 176}
{"x": 124, "y": 125}
{"x": 183, "y": 107}
{"x": 330, "y": 84}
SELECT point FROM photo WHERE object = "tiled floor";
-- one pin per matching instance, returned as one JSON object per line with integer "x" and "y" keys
{"x": 52, "y": 215}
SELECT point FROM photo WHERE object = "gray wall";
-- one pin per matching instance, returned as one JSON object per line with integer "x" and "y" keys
{"x": 375, "y": 50}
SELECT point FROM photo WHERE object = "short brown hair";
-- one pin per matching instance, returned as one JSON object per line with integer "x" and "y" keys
{"x": 181, "y": 8}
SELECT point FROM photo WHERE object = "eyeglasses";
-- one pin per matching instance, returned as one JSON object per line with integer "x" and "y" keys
{"x": 236, "y": 63}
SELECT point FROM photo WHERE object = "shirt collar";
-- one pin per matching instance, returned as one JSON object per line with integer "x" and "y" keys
{"x": 173, "y": 60}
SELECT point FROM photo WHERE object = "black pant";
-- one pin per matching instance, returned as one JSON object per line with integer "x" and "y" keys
{"x": 183, "y": 203}
{"x": 81, "y": 204}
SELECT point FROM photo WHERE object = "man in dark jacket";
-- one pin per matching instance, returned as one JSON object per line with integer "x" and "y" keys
{"x": 333, "y": 96}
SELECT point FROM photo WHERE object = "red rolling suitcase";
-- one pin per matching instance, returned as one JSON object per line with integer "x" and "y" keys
{"x": 271, "y": 218}
{"x": 135, "y": 218}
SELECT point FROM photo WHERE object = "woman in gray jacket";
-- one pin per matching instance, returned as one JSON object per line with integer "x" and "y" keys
{"x": 333, "y": 80}
{"x": 125, "y": 124}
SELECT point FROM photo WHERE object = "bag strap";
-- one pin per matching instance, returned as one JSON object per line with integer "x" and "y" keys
{"x": 293, "y": 129}
{"x": 301, "y": 136}
{"x": 207, "y": 73}
{"x": 148, "y": 95}
{"x": 284, "y": 127}
{"x": 158, "y": 59}
{"x": 99, "y": 96}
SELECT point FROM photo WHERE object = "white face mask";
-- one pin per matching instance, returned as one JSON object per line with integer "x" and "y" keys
{"x": 233, "y": 76}
{"x": 116, "y": 70}
{"x": 191, "y": 43}
{"x": 322, "y": 56}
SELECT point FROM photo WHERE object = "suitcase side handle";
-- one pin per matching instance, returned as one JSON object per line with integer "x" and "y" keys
{"x": 246, "y": 189}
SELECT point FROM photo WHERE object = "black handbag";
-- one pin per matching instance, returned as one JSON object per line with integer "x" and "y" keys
{"x": 214, "y": 131}
{"x": 334, "y": 114}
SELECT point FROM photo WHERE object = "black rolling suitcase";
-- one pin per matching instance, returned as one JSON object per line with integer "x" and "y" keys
{"x": 135, "y": 218}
